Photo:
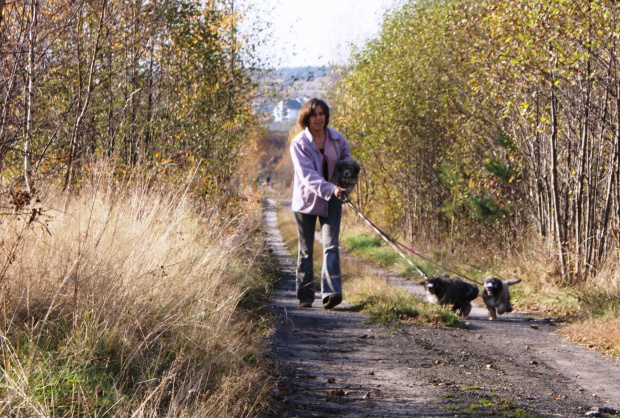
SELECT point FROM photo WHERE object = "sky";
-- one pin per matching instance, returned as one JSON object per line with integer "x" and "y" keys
{"x": 316, "y": 32}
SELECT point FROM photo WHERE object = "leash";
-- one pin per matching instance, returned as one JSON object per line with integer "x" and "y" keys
{"x": 395, "y": 244}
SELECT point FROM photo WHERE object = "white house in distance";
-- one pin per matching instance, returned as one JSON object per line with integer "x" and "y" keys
{"x": 288, "y": 111}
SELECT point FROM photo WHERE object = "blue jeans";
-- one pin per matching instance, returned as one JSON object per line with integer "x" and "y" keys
{"x": 330, "y": 273}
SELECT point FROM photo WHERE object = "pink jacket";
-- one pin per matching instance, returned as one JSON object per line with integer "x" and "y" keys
{"x": 310, "y": 190}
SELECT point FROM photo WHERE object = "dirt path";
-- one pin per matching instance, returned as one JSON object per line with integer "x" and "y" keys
{"x": 332, "y": 364}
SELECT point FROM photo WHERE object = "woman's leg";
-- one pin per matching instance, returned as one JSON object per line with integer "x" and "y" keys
{"x": 305, "y": 273}
{"x": 330, "y": 228}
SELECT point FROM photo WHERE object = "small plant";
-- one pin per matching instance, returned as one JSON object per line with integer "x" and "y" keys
{"x": 387, "y": 304}
{"x": 486, "y": 402}
{"x": 474, "y": 387}
{"x": 362, "y": 242}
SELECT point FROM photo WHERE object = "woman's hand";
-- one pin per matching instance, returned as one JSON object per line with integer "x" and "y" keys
{"x": 339, "y": 192}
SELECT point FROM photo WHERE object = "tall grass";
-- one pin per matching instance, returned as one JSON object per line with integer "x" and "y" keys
{"x": 131, "y": 300}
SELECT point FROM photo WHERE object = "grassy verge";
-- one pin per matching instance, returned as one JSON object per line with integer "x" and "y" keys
{"x": 385, "y": 303}
{"x": 590, "y": 311}
{"x": 373, "y": 250}
{"x": 366, "y": 245}
{"x": 487, "y": 404}
{"x": 129, "y": 301}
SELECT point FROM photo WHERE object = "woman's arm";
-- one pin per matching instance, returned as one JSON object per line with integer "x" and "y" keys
{"x": 303, "y": 166}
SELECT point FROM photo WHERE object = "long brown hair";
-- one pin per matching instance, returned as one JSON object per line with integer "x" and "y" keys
{"x": 308, "y": 108}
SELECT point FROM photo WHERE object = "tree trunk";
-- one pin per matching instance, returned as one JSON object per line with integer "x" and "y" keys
{"x": 578, "y": 248}
{"x": 555, "y": 193}
{"x": 89, "y": 89}
{"x": 610, "y": 183}
{"x": 32, "y": 39}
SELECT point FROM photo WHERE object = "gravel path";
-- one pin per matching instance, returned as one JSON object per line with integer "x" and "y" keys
{"x": 330, "y": 363}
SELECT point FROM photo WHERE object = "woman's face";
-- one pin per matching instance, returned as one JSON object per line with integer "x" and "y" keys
{"x": 317, "y": 119}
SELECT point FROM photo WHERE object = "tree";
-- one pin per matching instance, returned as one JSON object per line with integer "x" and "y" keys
{"x": 138, "y": 82}
{"x": 500, "y": 118}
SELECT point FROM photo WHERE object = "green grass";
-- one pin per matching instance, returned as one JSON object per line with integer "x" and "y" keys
{"x": 386, "y": 304}
{"x": 474, "y": 387}
{"x": 372, "y": 249}
{"x": 362, "y": 243}
{"x": 489, "y": 404}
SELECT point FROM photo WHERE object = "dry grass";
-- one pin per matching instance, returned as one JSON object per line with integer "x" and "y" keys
{"x": 601, "y": 333}
{"x": 288, "y": 229}
{"x": 595, "y": 320}
{"x": 127, "y": 301}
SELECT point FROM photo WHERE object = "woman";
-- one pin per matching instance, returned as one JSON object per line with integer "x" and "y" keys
{"x": 315, "y": 152}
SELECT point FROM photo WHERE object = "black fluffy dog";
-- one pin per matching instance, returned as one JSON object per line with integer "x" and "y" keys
{"x": 449, "y": 291}
{"x": 346, "y": 174}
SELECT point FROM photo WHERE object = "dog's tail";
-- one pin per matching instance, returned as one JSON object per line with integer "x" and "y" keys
{"x": 511, "y": 282}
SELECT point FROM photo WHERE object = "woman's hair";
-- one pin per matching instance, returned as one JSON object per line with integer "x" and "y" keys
{"x": 308, "y": 108}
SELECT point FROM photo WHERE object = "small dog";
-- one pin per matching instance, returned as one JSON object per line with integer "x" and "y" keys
{"x": 346, "y": 174}
{"x": 496, "y": 296}
{"x": 444, "y": 290}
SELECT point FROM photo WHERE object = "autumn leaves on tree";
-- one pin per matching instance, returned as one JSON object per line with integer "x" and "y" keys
{"x": 138, "y": 82}
{"x": 492, "y": 121}
{"x": 477, "y": 121}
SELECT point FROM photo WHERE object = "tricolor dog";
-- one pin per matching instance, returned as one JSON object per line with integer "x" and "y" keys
{"x": 449, "y": 291}
{"x": 496, "y": 296}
